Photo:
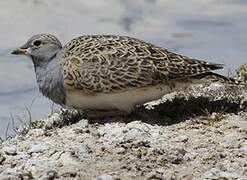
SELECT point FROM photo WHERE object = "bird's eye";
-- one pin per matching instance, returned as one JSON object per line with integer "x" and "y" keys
{"x": 37, "y": 43}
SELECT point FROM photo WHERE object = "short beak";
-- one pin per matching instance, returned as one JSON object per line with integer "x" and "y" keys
{"x": 19, "y": 51}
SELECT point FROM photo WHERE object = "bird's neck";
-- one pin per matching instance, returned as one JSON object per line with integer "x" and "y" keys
{"x": 50, "y": 81}
{"x": 43, "y": 60}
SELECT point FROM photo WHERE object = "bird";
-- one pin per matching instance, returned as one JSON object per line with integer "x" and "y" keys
{"x": 109, "y": 75}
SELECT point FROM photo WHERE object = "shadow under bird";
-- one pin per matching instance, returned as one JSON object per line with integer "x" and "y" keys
{"x": 109, "y": 75}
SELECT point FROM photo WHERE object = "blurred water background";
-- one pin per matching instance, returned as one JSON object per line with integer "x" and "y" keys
{"x": 212, "y": 30}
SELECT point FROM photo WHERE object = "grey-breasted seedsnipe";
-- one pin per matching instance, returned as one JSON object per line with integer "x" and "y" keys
{"x": 108, "y": 75}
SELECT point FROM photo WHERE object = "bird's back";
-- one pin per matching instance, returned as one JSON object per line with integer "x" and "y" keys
{"x": 108, "y": 63}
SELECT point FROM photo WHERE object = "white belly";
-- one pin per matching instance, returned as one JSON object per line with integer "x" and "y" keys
{"x": 124, "y": 101}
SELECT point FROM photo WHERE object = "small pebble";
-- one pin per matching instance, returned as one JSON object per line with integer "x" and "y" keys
{"x": 10, "y": 151}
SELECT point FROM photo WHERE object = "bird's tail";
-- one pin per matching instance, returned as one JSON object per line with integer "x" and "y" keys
{"x": 214, "y": 77}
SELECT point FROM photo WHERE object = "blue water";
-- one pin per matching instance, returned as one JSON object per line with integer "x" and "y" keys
{"x": 207, "y": 30}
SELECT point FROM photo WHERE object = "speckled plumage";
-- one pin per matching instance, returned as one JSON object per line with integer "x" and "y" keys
{"x": 107, "y": 72}
{"x": 117, "y": 63}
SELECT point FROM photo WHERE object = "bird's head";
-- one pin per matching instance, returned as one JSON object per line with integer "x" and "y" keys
{"x": 41, "y": 48}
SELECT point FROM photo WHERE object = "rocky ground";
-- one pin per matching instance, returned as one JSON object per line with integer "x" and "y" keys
{"x": 198, "y": 133}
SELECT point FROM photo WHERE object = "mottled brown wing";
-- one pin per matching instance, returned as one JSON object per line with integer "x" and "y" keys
{"x": 103, "y": 77}
{"x": 177, "y": 66}
{"x": 114, "y": 63}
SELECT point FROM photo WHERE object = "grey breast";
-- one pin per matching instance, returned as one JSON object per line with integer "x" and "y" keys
{"x": 50, "y": 80}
